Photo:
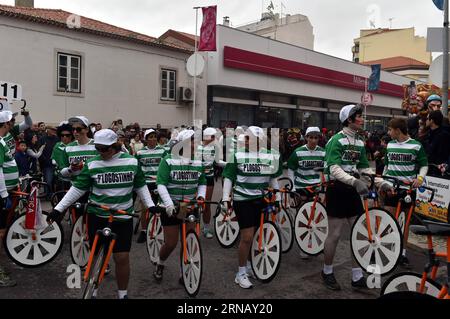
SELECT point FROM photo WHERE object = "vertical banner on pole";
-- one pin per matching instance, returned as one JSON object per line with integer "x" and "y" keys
{"x": 208, "y": 29}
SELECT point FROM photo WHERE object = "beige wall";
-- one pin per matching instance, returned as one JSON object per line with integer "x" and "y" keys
{"x": 296, "y": 30}
{"x": 121, "y": 79}
{"x": 393, "y": 43}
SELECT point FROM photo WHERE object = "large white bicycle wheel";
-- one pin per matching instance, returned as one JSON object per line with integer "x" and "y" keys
{"x": 284, "y": 224}
{"x": 402, "y": 221}
{"x": 154, "y": 238}
{"x": 192, "y": 269}
{"x": 79, "y": 243}
{"x": 266, "y": 262}
{"x": 311, "y": 239}
{"x": 383, "y": 253}
{"x": 32, "y": 250}
{"x": 409, "y": 281}
{"x": 226, "y": 228}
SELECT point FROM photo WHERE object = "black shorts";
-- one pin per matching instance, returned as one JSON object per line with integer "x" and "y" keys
{"x": 210, "y": 181}
{"x": 123, "y": 230}
{"x": 248, "y": 212}
{"x": 170, "y": 221}
{"x": 343, "y": 201}
{"x": 392, "y": 201}
{"x": 151, "y": 188}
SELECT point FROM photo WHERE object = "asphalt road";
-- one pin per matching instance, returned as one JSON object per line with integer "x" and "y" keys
{"x": 296, "y": 278}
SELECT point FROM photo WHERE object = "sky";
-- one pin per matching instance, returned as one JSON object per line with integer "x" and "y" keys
{"x": 335, "y": 22}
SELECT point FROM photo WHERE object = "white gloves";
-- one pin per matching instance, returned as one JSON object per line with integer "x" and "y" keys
{"x": 170, "y": 210}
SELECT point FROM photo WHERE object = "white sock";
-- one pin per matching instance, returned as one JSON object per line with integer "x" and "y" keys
{"x": 404, "y": 252}
{"x": 122, "y": 293}
{"x": 242, "y": 271}
{"x": 94, "y": 293}
{"x": 161, "y": 262}
{"x": 327, "y": 269}
{"x": 249, "y": 264}
{"x": 356, "y": 274}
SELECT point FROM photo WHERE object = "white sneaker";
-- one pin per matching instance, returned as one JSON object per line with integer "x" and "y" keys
{"x": 242, "y": 280}
{"x": 251, "y": 273}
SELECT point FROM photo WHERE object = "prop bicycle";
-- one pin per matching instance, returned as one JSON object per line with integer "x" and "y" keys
{"x": 29, "y": 240}
{"x": 191, "y": 259}
{"x": 376, "y": 238}
{"x": 265, "y": 252}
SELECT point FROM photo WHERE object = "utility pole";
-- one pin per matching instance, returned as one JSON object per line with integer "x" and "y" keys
{"x": 445, "y": 71}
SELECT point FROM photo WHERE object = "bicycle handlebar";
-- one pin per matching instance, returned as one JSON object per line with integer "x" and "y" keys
{"x": 288, "y": 186}
{"x": 112, "y": 210}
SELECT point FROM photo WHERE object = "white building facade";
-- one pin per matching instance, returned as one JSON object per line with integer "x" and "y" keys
{"x": 66, "y": 72}
{"x": 255, "y": 80}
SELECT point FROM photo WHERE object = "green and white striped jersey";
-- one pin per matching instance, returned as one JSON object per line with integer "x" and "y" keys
{"x": 303, "y": 161}
{"x": 76, "y": 152}
{"x": 58, "y": 159}
{"x": 10, "y": 169}
{"x": 111, "y": 182}
{"x": 251, "y": 171}
{"x": 403, "y": 160}
{"x": 149, "y": 160}
{"x": 347, "y": 152}
{"x": 181, "y": 176}
{"x": 207, "y": 153}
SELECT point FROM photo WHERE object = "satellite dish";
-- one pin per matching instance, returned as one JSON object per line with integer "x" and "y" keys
{"x": 436, "y": 71}
{"x": 195, "y": 68}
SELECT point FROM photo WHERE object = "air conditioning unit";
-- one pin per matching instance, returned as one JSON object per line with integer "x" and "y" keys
{"x": 186, "y": 94}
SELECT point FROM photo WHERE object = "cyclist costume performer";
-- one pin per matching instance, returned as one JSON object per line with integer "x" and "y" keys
{"x": 149, "y": 158}
{"x": 179, "y": 177}
{"x": 251, "y": 169}
{"x": 345, "y": 155}
{"x": 64, "y": 132}
{"x": 111, "y": 178}
{"x": 9, "y": 179}
{"x": 207, "y": 153}
{"x": 79, "y": 151}
{"x": 303, "y": 160}
{"x": 406, "y": 160}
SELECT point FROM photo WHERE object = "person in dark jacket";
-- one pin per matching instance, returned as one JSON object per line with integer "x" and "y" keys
{"x": 437, "y": 144}
{"x": 45, "y": 161}
{"x": 23, "y": 160}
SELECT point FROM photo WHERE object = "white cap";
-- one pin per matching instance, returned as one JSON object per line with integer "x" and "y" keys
{"x": 346, "y": 112}
{"x": 105, "y": 137}
{"x": 184, "y": 135}
{"x": 209, "y": 131}
{"x": 256, "y": 131}
{"x": 81, "y": 119}
{"x": 312, "y": 129}
{"x": 149, "y": 131}
{"x": 63, "y": 123}
{"x": 5, "y": 116}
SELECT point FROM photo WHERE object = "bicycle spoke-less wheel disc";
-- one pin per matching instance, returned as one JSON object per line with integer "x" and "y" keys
{"x": 79, "y": 243}
{"x": 94, "y": 274}
{"x": 409, "y": 281}
{"x": 265, "y": 263}
{"x": 383, "y": 253}
{"x": 311, "y": 239}
{"x": 154, "y": 239}
{"x": 284, "y": 225}
{"x": 192, "y": 268}
{"x": 402, "y": 221}
{"x": 226, "y": 228}
{"x": 32, "y": 250}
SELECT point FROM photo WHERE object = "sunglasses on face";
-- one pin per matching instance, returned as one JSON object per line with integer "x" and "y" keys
{"x": 102, "y": 148}
{"x": 78, "y": 129}
{"x": 313, "y": 137}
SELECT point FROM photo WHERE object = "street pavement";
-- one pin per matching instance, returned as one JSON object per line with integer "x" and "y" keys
{"x": 296, "y": 278}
